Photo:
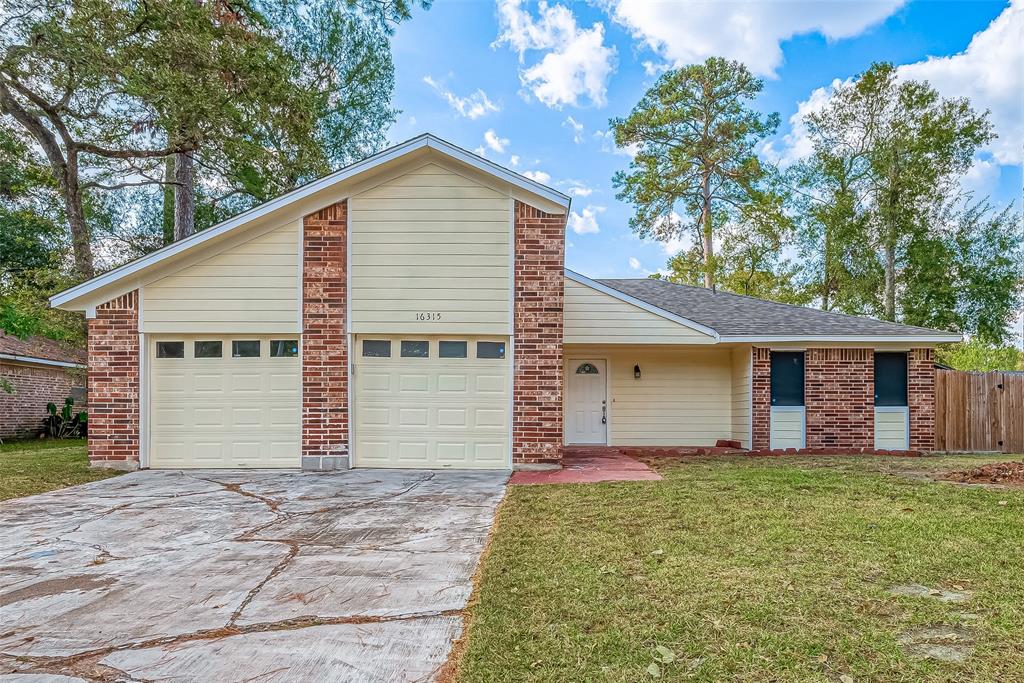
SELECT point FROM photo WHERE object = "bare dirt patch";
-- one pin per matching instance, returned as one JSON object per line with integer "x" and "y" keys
{"x": 1002, "y": 473}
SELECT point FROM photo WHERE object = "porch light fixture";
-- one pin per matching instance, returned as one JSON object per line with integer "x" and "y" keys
{"x": 636, "y": 372}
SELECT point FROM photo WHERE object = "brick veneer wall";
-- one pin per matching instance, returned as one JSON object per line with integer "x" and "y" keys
{"x": 324, "y": 341}
{"x": 760, "y": 398}
{"x": 114, "y": 383}
{"x": 839, "y": 394}
{"x": 33, "y": 387}
{"x": 921, "y": 398}
{"x": 538, "y": 303}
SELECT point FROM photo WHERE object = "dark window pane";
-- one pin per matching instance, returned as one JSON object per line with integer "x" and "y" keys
{"x": 284, "y": 348}
{"x": 245, "y": 349}
{"x": 890, "y": 379}
{"x": 451, "y": 349}
{"x": 587, "y": 369}
{"x": 170, "y": 349}
{"x": 415, "y": 349}
{"x": 486, "y": 349}
{"x": 376, "y": 348}
{"x": 207, "y": 349}
{"x": 787, "y": 378}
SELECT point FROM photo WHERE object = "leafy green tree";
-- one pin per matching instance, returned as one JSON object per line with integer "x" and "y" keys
{"x": 246, "y": 98}
{"x": 696, "y": 139}
{"x": 980, "y": 356}
{"x": 886, "y": 151}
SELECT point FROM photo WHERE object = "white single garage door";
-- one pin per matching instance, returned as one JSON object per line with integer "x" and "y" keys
{"x": 218, "y": 401}
{"x": 431, "y": 402}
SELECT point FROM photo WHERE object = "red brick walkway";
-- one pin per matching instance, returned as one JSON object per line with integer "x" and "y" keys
{"x": 589, "y": 466}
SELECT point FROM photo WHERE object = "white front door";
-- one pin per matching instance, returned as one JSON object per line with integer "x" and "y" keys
{"x": 586, "y": 415}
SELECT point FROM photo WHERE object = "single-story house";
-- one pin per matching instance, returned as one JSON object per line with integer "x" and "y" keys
{"x": 414, "y": 310}
{"x": 36, "y": 371}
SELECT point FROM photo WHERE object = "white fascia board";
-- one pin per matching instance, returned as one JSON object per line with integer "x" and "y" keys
{"x": 401, "y": 149}
{"x": 904, "y": 339}
{"x": 622, "y": 296}
{"x": 40, "y": 361}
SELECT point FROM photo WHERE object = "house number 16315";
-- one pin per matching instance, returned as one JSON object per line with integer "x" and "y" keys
{"x": 428, "y": 316}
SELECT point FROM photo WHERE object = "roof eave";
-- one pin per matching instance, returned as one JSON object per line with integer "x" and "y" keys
{"x": 426, "y": 140}
{"x": 937, "y": 338}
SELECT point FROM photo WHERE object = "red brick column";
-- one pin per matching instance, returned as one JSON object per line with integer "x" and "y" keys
{"x": 760, "y": 398}
{"x": 539, "y": 290}
{"x": 324, "y": 341}
{"x": 114, "y": 383}
{"x": 839, "y": 393}
{"x": 921, "y": 399}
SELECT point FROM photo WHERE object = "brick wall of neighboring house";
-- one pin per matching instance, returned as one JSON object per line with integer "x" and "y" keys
{"x": 324, "y": 342}
{"x": 114, "y": 383}
{"x": 760, "y": 398}
{"x": 23, "y": 411}
{"x": 539, "y": 290}
{"x": 921, "y": 398}
{"x": 839, "y": 395}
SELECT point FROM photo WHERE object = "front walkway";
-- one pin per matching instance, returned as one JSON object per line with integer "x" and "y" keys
{"x": 231, "y": 576}
{"x": 589, "y": 465}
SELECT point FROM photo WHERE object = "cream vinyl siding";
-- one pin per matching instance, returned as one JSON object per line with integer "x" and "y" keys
{"x": 683, "y": 398}
{"x": 741, "y": 395}
{"x": 431, "y": 412}
{"x": 593, "y": 317}
{"x": 430, "y": 253}
{"x": 891, "y": 428}
{"x": 252, "y": 287}
{"x": 787, "y": 427}
{"x": 223, "y": 412}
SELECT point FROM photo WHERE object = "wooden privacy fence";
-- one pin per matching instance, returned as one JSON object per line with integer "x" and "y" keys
{"x": 979, "y": 411}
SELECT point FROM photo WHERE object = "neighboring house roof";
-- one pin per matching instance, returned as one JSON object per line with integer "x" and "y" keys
{"x": 735, "y": 317}
{"x": 425, "y": 141}
{"x": 40, "y": 351}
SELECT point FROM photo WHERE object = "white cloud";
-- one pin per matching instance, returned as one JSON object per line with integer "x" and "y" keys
{"x": 472, "y": 106}
{"x": 576, "y": 63}
{"x": 586, "y": 221}
{"x": 513, "y": 160}
{"x": 539, "y": 176}
{"x": 991, "y": 73}
{"x": 494, "y": 141}
{"x": 796, "y": 144}
{"x": 981, "y": 177}
{"x": 480, "y": 151}
{"x": 751, "y": 32}
{"x": 634, "y": 263}
{"x": 577, "y": 188}
{"x": 654, "y": 69}
{"x": 577, "y": 129}
{"x": 607, "y": 140}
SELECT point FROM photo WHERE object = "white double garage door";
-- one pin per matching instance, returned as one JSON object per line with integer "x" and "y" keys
{"x": 416, "y": 402}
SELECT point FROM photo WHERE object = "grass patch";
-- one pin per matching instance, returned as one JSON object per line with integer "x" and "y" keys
{"x": 767, "y": 569}
{"x": 30, "y": 467}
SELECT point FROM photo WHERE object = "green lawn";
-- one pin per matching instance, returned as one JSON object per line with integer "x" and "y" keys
{"x": 30, "y": 467}
{"x": 766, "y": 569}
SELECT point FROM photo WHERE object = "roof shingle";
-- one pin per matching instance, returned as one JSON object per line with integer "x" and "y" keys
{"x": 735, "y": 314}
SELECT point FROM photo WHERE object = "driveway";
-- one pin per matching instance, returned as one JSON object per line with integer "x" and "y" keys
{"x": 241, "y": 576}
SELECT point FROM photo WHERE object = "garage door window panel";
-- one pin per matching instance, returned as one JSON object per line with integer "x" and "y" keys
{"x": 284, "y": 348}
{"x": 208, "y": 349}
{"x": 376, "y": 348}
{"x": 415, "y": 349}
{"x": 170, "y": 349}
{"x": 245, "y": 348}
{"x": 451, "y": 349}
{"x": 489, "y": 350}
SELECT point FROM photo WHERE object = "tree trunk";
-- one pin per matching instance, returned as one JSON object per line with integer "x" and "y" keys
{"x": 81, "y": 244}
{"x": 707, "y": 233}
{"x": 168, "y": 205}
{"x": 184, "y": 195}
{"x": 889, "y": 305}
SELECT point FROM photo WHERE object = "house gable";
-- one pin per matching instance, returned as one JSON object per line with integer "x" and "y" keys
{"x": 596, "y": 315}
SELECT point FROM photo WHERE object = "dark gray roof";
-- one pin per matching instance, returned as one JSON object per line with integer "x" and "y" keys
{"x": 735, "y": 314}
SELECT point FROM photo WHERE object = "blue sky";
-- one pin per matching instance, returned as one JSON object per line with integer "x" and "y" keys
{"x": 533, "y": 85}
